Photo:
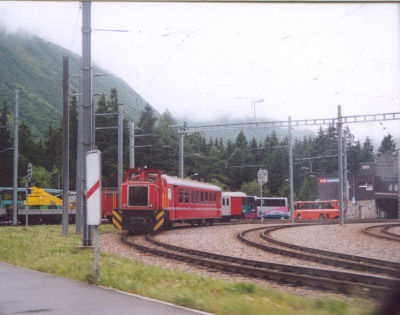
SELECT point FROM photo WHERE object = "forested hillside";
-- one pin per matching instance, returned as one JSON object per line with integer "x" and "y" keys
{"x": 34, "y": 66}
{"x": 232, "y": 165}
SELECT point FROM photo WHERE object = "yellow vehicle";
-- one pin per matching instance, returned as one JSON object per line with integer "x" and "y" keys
{"x": 38, "y": 199}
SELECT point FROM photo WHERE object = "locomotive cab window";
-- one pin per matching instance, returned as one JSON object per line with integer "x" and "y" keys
{"x": 152, "y": 177}
{"x": 138, "y": 196}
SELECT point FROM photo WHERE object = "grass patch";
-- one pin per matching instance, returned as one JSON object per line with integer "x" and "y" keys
{"x": 43, "y": 248}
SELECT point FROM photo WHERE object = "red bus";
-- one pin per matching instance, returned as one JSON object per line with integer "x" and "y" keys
{"x": 323, "y": 209}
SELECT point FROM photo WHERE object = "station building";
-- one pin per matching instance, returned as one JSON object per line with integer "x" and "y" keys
{"x": 372, "y": 193}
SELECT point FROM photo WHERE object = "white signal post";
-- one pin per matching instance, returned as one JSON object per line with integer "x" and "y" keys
{"x": 262, "y": 176}
{"x": 93, "y": 199}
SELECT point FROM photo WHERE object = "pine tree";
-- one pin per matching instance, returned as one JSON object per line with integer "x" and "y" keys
{"x": 52, "y": 149}
{"x": 166, "y": 149}
{"x": 387, "y": 145}
{"x": 367, "y": 153}
{"x": 106, "y": 139}
{"x": 6, "y": 153}
{"x": 145, "y": 155}
{"x": 27, "y": 149}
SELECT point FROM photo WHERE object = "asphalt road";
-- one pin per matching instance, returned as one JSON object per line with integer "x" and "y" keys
{"x": 24, "y": 291}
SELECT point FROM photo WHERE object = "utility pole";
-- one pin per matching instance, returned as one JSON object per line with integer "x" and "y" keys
{"x": 345, "y": 181}
{"x": 79, "y": 163}
{"x": 340, "y": 160}
{"x": 120, "y": 149}
{"x": 181, "y": 150}
{"x": 290, "y": 169}
{"x": 87, "y": 108}
{"x": 398, "y": 185}
{"x": 132, "y": 145}
{"x": 15, "y": 205}
{"x": 65, "y": 147}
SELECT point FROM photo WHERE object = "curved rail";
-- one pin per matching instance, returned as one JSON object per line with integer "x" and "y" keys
{"x": 381, "y": 231}
{"x": 351, "y": 262}
{"x": 314, "y": 277}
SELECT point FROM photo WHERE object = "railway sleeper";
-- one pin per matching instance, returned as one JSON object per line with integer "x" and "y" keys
{"x": 326, "y": 283}
{"x": 320, "y": 259}
{"x": 354, "y": 279}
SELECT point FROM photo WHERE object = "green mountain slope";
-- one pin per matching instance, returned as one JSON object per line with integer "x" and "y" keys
{"x": 34, "y": 66}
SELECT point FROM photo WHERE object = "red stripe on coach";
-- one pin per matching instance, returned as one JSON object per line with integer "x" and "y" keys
{"x": 92, "y": 190}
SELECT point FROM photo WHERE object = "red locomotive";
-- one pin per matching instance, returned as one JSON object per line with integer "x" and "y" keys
{"x": 151, "y": 199}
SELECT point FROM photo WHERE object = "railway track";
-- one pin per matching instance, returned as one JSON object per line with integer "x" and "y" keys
{"x": 382, "y": 231}
{"x": 338, "y": 281}
{"x": 350, "y": 262}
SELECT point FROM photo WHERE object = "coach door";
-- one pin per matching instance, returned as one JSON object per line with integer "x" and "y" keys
{"x": 226, "y": 206}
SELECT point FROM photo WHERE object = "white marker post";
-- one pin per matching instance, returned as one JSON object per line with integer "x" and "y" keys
{"x": 93, "y": 197}
{"x": 262, "y": 176}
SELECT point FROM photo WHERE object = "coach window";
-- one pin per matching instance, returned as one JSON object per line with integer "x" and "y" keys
{"x": 206, "y": 196}
{"x": 186, "y": 196}
{"x": 214, "y": 197}
{"x": 210, "y": 197}
{"x": 180, "y": 195}
{"x": 197, "y": 196}
{"x": 227, "y": 201}
{"x": 191, "y": 196}
{"x": 202, "y": 196}
{"x": 223, "y": 201}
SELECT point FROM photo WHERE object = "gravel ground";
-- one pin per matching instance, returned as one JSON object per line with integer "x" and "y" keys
{"x": 395, "y": 229}
{"x": 347, "y": 239}
{"x": 223, "y": 240}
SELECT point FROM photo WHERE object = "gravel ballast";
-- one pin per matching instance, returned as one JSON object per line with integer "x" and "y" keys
{"x": 223, "y": 240}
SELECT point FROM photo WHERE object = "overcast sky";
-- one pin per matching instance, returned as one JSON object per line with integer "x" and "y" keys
{"x": 271, "y": 61}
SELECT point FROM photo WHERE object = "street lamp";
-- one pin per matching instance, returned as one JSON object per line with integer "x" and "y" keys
{"x": 252, "y": 102}
{"x": 260, "y": 100}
